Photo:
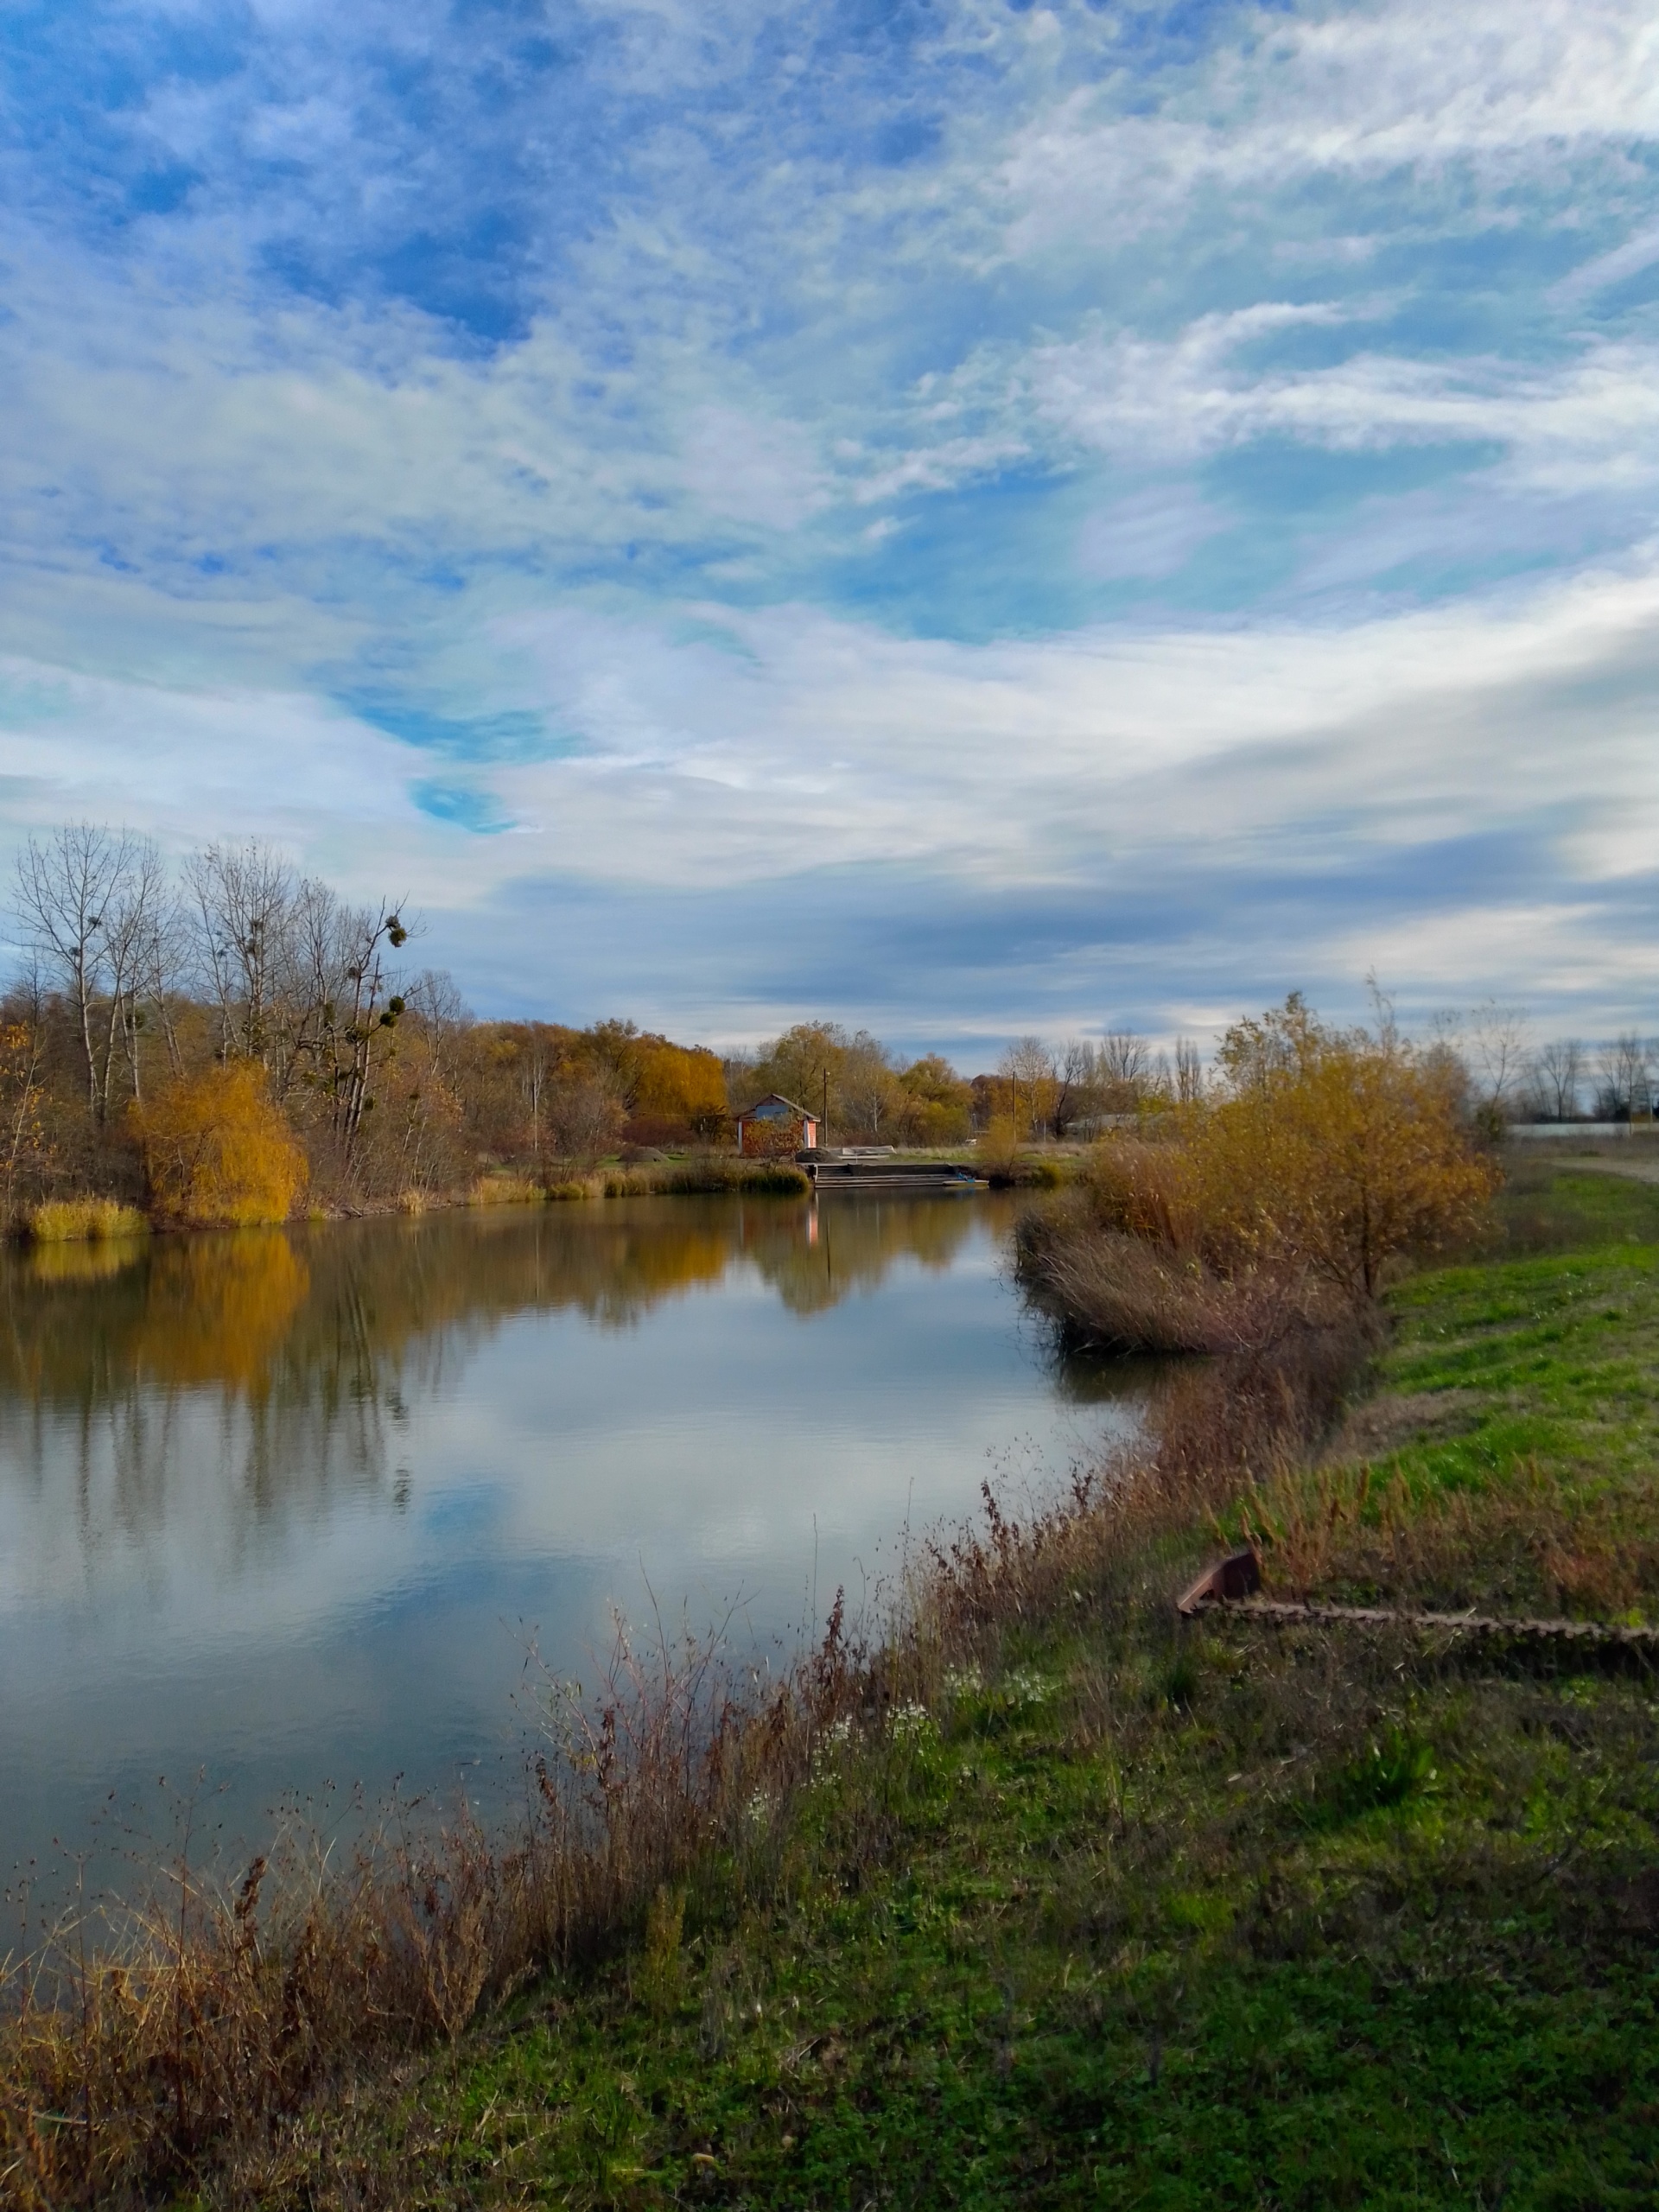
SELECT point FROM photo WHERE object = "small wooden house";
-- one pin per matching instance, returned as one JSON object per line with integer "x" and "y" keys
{"x": 775, "y": 1124}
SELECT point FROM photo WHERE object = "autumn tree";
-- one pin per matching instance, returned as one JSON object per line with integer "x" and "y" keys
{"x": 586, "y": 1113}
{"x": 678, "y": 1089}
{"x": 938, "y": 1102}
{"x": 217, "y": 1149}
{"x": 1028, "y": 1075}
{"x": 1314, "y": 1159}
{"x": 1332, "y": 1148}
{"x": 25, "y": 1150}
{"x": 845, "y": 1077}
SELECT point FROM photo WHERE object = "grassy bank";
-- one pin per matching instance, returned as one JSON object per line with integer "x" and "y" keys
{"x": 1055, "y": 1901}
{"x": 1148, "y": 1916}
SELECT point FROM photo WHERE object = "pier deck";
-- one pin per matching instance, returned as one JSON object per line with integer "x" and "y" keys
{"x": 829, "y": 1173}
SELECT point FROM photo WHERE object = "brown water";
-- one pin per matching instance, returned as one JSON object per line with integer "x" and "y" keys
{"x": 286, "y": 1509}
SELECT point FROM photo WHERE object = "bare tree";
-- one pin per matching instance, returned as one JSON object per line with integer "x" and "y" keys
{"x": 1558, "y": 1072}
{"x": 130, "y": 922}
{"x": 1496, "y": 1048}
{"x": 1626, "y": 1072}
{"x": 243, "y": 899}
{"x": 72, "y": 889}
{"x": 1076, "y": 1086}
{"x": 361, "y": 1015}
{"x": 1125, "y": 1067}
{"x": 161, "y": 973}
{"x": 1189, "y": 1071}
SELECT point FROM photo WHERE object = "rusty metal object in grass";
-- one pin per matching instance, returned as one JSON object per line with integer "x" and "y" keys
{"x": 1641, "y": 1634}
{"x": 1238, "y": 1575}
{"x": 1234, "y": 1584}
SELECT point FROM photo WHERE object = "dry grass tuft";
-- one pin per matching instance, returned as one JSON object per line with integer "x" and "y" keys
{"x": 1532, "y": 1544}
{"x": 1128, "y": 1295}
{"x": 505, "y": 1191}
{"x": 63, "y": 1221}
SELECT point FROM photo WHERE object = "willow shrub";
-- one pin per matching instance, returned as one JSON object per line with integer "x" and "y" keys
{"x": 217, "y": 1150}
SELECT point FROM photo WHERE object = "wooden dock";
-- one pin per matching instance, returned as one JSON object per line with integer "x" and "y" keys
{"x": 830, "y": 1173}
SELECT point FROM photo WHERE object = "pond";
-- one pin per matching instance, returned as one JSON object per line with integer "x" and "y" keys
{"x": 285, "y": 1511}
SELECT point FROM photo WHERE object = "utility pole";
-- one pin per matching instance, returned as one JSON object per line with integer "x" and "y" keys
{"x": 823, "y": 1126}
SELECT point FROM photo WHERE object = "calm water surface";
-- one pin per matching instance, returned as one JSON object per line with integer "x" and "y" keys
{"x": 286, "y": 1509}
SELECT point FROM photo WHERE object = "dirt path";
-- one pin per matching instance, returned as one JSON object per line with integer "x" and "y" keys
{"x": 1639, "y": 1171}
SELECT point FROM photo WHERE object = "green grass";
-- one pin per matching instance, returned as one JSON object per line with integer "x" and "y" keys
{"x": 1564, "y": 1353}
{"x": 1145, "y": 1915}
{"x": 1262, "y": 1946}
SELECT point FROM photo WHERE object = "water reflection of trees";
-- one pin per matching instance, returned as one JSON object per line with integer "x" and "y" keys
{"x": 845, "y": 1245}
{"x": 263, "y": 1370}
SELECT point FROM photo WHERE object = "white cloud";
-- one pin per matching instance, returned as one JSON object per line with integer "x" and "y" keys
{"x": 739, "y": 465}
{"x": 1592, "y": 421}
{"x": 1151, "y": 533}
{"x": 1360, "y": 92}
{"x": 221, "y": 498}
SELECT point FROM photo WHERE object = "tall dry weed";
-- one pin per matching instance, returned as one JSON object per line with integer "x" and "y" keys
{"x": 1532, "y": 1544}
{"x": 144, "y": 2044}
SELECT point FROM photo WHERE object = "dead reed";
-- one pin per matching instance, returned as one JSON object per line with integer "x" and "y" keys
{"x": 145, "y": 2044}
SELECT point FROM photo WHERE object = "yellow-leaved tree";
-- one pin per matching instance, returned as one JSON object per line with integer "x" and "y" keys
{"x": 217, "y": 1150}
{"x": 1317, "y": 1157}
{"x": 1336, "y": 1149}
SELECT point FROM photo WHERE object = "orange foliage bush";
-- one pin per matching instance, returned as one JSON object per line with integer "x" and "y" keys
{"x": 1334, "y": 1149}
{"x": 1325, "y": 1150}
{"x": 217, "y": 1150}
{"x": 1319, "y": 1156}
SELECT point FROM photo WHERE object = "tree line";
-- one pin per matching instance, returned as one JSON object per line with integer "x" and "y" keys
{"x": 165, "y": 1023}
{"x": 159, "y": 1016}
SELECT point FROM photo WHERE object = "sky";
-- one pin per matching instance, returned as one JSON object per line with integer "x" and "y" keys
{"x": 968, "y": 517}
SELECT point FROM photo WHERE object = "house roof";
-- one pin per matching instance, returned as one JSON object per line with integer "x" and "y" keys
{"x": 777, "y": 1098}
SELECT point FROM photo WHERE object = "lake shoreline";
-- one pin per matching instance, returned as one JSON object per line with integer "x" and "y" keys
{"x": 1047, "y": 1889}
{"x": 98, "y": 1218}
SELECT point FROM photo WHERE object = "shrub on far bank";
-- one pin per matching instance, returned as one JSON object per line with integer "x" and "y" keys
{"x": 64, "y": 1221}
{"x": 217, "y": 1150}
{"x": 1283, "y": 1198}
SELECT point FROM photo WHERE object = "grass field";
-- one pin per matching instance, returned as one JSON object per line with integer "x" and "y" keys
{"x": 1142, "y": 1914}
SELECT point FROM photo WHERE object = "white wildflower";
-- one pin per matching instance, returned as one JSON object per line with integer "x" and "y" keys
{"x": 1025, "y": 1686}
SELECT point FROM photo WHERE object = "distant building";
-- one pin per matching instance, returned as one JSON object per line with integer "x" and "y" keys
{"x": 775, "y": 1124}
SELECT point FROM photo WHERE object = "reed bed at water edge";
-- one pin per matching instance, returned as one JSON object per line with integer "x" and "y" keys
{"x": 65, "y": 1220}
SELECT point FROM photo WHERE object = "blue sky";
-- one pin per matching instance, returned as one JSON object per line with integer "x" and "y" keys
{"x": 970, "y": 517}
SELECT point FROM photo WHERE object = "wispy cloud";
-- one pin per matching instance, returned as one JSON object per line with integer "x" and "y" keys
{"x": 955, "y": 462}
